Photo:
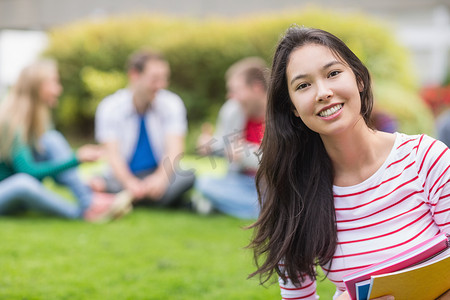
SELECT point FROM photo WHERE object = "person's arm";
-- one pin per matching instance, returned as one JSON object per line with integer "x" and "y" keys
{"x": 206, "y": 140}
{"x": 436, "y": 174}
{"x": 306, "y": 291}
{"x": 247, "y": 158}
{"x": 157, "y": 183}
{"x": 230, "y": 122}
{"x": 122, "y": 171}
{"x": 174, "y": 124}
{"x": 108, "y": 123}
{"x": 23, "y": 161}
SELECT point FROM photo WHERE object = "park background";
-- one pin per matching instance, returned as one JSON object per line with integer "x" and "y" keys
{"x": 163, "y": 254}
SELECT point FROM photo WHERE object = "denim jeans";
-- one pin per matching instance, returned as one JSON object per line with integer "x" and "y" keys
{"x": 54, "y": 147}
{"x": 235, "y": 194}
{"x": 24, "y": 191}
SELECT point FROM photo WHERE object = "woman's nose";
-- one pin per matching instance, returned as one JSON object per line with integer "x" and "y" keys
{"x": 323, "y": 91}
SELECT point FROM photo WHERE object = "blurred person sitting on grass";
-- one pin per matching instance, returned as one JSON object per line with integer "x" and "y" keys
{"x": 31, "y": 150}
{"x": 142, "y": 129}
{"x": 240, "y": 130}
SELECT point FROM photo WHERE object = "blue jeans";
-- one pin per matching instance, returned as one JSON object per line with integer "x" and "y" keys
{"x": 235, "y": 194}
{"x": 23, "y": 192}
{"x": 53, "y": 147}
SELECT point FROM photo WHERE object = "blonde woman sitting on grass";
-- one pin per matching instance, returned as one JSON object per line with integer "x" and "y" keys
{"x": 30, "y": 151}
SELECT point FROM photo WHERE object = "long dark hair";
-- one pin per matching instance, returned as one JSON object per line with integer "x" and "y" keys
{"x": 296, "y": 229}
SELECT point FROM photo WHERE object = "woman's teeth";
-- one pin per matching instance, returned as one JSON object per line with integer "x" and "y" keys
{"x": 330, "y": 111}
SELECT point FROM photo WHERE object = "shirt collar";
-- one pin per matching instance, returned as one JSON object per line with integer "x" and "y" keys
{"x": 129, "y": 108}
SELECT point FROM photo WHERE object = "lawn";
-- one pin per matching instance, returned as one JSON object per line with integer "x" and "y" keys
{"x": 149, "y": 254}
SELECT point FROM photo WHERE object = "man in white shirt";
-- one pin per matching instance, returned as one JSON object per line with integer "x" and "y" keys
{"x": 142, "y": 129}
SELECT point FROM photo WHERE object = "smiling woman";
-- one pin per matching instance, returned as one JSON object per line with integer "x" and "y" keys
{"x": 325, "y": 85}
{"x": 333, "y": 191}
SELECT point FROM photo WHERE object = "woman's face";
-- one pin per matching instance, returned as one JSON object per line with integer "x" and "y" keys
{"x": 50, "y": 88}
{"x": 323, "y": 89}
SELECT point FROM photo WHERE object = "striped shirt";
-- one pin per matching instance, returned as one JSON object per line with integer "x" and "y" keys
{"x": 405, "y": 202}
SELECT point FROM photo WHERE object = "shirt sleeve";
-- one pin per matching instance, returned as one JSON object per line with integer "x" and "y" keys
{"x": 175, "y": 117}
{"x": 435, "y": 168}
{"x": 105, "y": 122}
{"x": 249, "y": 160}
{"x": 23, "y": 162}
{"x": 306, "y": 291}
{"x": 230, "y": 121}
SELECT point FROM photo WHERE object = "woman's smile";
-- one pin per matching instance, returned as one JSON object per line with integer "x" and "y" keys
{"x": 331, "y": 112}
{"x": 323, "y": 90}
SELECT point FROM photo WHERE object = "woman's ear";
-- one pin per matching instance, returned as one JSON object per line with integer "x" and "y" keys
{"x": 360, "y": 86}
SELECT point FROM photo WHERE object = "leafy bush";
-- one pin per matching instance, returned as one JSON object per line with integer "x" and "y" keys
{"x": 92, "y": 56}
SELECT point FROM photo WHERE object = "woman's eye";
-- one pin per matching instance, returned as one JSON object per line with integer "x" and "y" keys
{"x": 333, "y": 73}
{"x": 302, "y": 86}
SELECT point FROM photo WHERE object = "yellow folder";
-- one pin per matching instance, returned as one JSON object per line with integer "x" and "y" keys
{"x": 425, "y": 281}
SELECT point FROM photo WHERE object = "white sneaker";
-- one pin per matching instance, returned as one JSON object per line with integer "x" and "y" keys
{"x": 122, "y": 205}
{"x": 200, "y": 204}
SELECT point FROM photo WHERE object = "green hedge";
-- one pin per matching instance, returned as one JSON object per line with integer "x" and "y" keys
{"x": 92, "y": 55}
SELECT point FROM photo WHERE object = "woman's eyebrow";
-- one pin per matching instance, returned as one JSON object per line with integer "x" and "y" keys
{"x": 332, "y": 63}
{"x": 299, "y": 76}
{"x": 326, "y": 66}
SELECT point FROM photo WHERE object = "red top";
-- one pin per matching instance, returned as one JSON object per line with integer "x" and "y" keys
{"x": 254, "y": 131}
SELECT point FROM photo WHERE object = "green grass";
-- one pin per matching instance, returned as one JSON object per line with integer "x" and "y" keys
{"x": 149, "y": 254}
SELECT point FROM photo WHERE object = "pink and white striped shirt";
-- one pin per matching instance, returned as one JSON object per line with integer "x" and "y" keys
{"x": 405, "y": 202}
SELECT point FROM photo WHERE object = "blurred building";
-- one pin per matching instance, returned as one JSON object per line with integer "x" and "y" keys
{"x": 421, "y": 25}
